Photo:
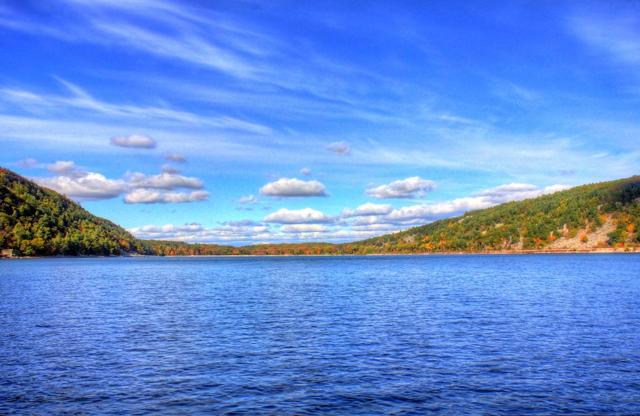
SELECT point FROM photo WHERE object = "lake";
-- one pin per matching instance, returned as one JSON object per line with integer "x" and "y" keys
{"x": 472, "y": 334}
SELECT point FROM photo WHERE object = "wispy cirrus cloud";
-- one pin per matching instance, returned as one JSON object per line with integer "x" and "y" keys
{"x": 80, "y": 99}
{"x": 617, "y": 37}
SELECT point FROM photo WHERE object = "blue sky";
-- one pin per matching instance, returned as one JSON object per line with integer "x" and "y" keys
{"x": 242, "y": 121}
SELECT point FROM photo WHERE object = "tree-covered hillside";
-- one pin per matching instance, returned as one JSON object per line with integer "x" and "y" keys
{"x": 534, "y": 224}
{"x": 37, "y": 221}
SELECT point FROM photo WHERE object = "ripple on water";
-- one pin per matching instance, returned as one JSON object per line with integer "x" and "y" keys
{"x": 358, "y": 335}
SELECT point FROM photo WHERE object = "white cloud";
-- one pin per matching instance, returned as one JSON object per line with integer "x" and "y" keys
{"x": 188, "y": 48}
{"x": 82, "y": 100}
{"x": 405, "y": 188}
{"x": 161, "y": 189}
{"x": 137, "y": 188}
{"x": 430, "y": 212}
{"x": 305, "y": 171}
{"x": 367, "y": 209}
{"x": 300, "y": 216}
{"x": 341, "y": 148}
{"x": 484, "y": 199}
{"x": 171, "y": 170}
{"x": 517, "y": 192}
{"x": 62, "y": 167}
{"x": 163, "y": 181}
{"x": 249, "y": 232}
{"x": 154, "y": 196}
{"x": 303, "y": 228}
{"x": 551, "y": 189}
{"x": 139, "y": 141}
{"x": 292, "y": 187}
{"x": 248, "y": 200}
{"x": 169, "y": 228}
{"x": 89, "y": 186}
{"x": 226, "y": 233}
{"x": 176, "y": 157}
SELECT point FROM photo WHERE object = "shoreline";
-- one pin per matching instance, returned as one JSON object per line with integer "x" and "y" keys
{"x": 634, "y": 250}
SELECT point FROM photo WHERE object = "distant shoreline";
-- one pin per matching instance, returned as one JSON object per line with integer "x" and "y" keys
{"x": 634, "y": 250}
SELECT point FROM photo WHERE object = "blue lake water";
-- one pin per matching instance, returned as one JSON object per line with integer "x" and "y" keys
{"x": 522, "y": 334}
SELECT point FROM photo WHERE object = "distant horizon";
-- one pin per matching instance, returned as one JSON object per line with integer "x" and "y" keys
{"x": 244, "y": 123}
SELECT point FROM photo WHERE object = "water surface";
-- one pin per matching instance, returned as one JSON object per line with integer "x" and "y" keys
{"x": 528, "y": 334}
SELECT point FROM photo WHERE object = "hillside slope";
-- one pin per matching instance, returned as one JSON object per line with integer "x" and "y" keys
{"x": 589, "y": 217}
{"x": 38, "y": 221}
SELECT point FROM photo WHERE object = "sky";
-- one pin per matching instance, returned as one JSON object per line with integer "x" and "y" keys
{"x": 250, "y": 122}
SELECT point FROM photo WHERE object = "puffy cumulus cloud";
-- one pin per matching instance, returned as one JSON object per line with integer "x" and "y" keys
{"x": 367, "y": 209}
{"x": 176, "y": 157}
{"x": 163, "y": 181}
{"x": 63, "y": 167}
{"x": 137, "y": 188}
{"x": 139, "y": 141}
{"x": 292, "y": 187}
{"x": 340, "y": 148}
{"x": 154, "y": 196}
{"x": 404, "y": 188}
{"x": 248, "y": 200}
{"x": 368, "y": 220}
{"x": 88, "y": 186}
{"x": 299, "y": 216}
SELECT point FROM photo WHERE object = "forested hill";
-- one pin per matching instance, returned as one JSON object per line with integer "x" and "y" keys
{"x": 38, "y": 221}
{"x": 604, "y": 215}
